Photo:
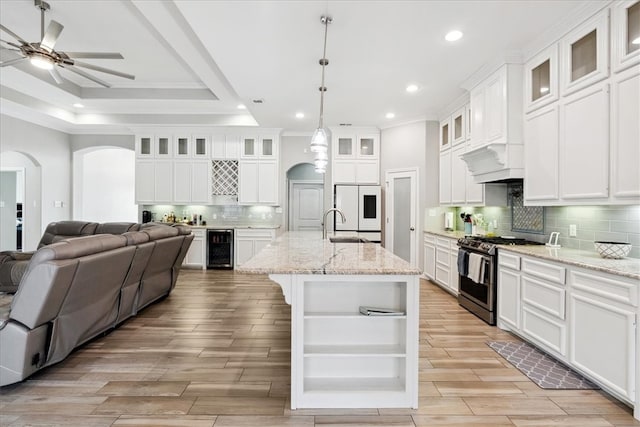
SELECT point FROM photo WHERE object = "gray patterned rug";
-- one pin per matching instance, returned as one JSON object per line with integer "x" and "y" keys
{"x": 541, "y": 368}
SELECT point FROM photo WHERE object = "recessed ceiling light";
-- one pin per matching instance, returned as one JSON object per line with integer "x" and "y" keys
{"x": 78, "y": 105}
{"x": 412, "y": 88}
{"x": 636, "y": 40}
{"x": 390, "y": 115}
{"x": 299, "y": 115}
{"x": 453, "y": 36}
{"x": 544, "y": 89}
{"x": 242, "y": 107}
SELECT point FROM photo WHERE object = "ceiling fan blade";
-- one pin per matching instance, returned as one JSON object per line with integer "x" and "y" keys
{"x": 9, "y": 43}
{"x": 56, "y": 75}
{"x": 12, "y": 61}
{"x": 51, "y": 35}
{"x": 103, "y": 70}
{"x": 12, "y": 34}
{"x": 87, "y": 76}
{"x": 94, "y": 55}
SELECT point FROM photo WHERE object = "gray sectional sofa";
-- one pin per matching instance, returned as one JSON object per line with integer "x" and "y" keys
{"x": 75, "y": 288}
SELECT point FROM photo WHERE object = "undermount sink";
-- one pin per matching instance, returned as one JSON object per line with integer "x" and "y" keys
{"x": 347, "y": 239}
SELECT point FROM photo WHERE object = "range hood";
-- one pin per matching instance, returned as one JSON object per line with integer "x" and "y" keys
{"x": 495, "y": 162}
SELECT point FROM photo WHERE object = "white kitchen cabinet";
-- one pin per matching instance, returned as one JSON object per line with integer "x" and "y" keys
{"x": 201, "y": 146}
{"x": 430, "y": 256}
{"x": 445, "y": 134}
{"x": 144, "y": 146}
{"x": 182, "y": 146}
{"x": 445, "y": 178}
{"x": 248, "y": 242}
{"x": 583, "y": 317}
{"x": 584, "y": 146}
{"x": 459, "y": 126}
{"x": 154, "y": 181}
{"x": 508, "y": 297}
{"x": 356, "y": 171}
{"x": 584, "y": 54}
{"x": 603, "y": 330}
{"x": 458, "y": 178}
{"x": 191, "y": 182}
{"x": 196, "y": 255}
{"x": 444, "y": 261}
{"x": 258, "y": 147}
{"x": 625, "y": 134}
{"x": 145, "y": 181}
{"x": 625, "y": 28}
{"x": 258, "y": 182}
{"x": 541, "y": 79}
{"x": 163, "y": 146}
{"x": 225, "y": 147}
{"x": 355, "y": 156}
{"x": 541, "y": 148}
{"x": 468, "y": 113}
{"x": 496, "y": 105}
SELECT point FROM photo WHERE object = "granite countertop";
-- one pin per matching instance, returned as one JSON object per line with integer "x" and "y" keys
{"x": 307, "y": 253}
{"x": 227, "y": 226}
{"x": 449, "y": 234}
{"x": 627, "y": 267}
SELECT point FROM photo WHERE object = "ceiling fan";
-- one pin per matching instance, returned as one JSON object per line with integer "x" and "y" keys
{"x": 41, "y": 54}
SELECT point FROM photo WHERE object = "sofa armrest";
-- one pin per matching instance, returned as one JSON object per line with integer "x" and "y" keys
{"x": 15, "y": 256}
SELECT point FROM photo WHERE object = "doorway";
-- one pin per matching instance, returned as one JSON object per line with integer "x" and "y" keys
{"x": 401, "y": 203}
{"x": 11, "y": 201}
{"x": 305, "y": 199}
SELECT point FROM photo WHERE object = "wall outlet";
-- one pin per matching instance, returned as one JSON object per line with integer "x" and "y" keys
{"x": 572, "y": 230}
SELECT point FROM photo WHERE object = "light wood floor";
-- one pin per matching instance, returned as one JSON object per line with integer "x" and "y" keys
{"x": 216, "y": 353}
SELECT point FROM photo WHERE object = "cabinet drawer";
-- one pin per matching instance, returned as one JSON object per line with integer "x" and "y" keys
{"x": 442, "y": 256}
{"x": 198, "y": 232}
{"x": 607, "y": 287}
{"x": 430, "y": 238}
{"x": 544, "y": 296}
{"x": 255, "y": 233}
{"x": 508, "y": 260}
{"x": 546, "y": 331}
{"x": 442, "y": 275}
{"x": 551, "y": 272}
{"x": 443, "y": 242}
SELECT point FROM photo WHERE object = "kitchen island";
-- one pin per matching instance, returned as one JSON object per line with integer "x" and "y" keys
{"x": 341, "y": 358}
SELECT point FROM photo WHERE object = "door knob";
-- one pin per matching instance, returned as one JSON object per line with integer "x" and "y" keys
{"x": 412, "y": 228}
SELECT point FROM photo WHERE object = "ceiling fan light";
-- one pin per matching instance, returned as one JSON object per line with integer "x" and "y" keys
{"x": 41, "y": 62}
{"x": 319, "y": 141}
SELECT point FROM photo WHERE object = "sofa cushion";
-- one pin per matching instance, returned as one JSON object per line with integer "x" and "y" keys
{"x": 61, "y": 230}
{"x": 116, "y": 227}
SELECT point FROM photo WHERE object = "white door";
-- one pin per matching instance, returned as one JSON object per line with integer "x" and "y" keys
{"x": 401, "y": 213}
{"x": 8, "y": 218}
{"x": 305, "y": 201}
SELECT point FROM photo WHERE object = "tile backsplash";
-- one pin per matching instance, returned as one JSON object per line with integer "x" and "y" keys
{"x": 220, "y": 215}
{"x": 593, "y": 223}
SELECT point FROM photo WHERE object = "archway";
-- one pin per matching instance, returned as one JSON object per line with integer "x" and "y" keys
{"x": 305, "y": 198}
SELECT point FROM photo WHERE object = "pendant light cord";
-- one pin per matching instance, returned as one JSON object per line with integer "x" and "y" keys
{"x": 326, "y": 20}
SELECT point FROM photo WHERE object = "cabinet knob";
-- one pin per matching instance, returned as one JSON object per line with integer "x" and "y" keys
{"x": 412, "y": 228}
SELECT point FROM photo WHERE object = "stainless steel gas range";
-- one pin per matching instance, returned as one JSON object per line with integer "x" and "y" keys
{"x": 477, "y": 268}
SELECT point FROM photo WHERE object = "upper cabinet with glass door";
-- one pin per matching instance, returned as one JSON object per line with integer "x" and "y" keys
{"x": 345, "y": 147}
{"x": 263, "y": 147}
{"x": 625, "y": 33}
{"x": 458, "y": 126}
{"x": 541, "y": 79}
{"x": 182, "y": 146}
{"x": 201, "y": 146}
{"x": 445, "y": 133}
{"x": 368, "y": 146}
{"x": 585, "y": 54}
{"x": 150, "y": 146}
{"x": 144, "y": 146}
{"x": 363, "y": 146}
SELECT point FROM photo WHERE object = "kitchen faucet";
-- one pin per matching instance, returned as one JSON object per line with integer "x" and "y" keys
{"x": 324, "y": 220}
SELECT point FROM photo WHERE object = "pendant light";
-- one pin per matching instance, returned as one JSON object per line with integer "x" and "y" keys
{"x": 319, "y": 144}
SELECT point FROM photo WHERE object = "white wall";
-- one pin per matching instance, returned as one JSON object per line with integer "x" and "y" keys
{"x": 413, "y": 145}
{"x": 50, "y": 150}
{"x": 104, "y": 185}
{"x": 8, "y": 210}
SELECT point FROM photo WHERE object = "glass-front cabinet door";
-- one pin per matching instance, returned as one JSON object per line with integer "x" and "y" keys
{"x": 585, "y": 53}
{"x": 200, "y": 146}
{"x": 267, "y": 147}
{"x": 368, "y": 146}
{"x": 346, "y": 147}
{"x": 163, "y": 146}
{"x": 625, "y": 30}
{"x": 458, "y": 126}
{"x": 541, "y": 79}
{"x": 144, "y": 146}
{"x": 248, "y": 146}
{"x": 182, "y": 146}
{"x": 445, "y": 134}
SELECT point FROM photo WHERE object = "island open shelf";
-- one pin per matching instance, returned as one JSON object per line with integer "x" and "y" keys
{"x": 344, "y": 359}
